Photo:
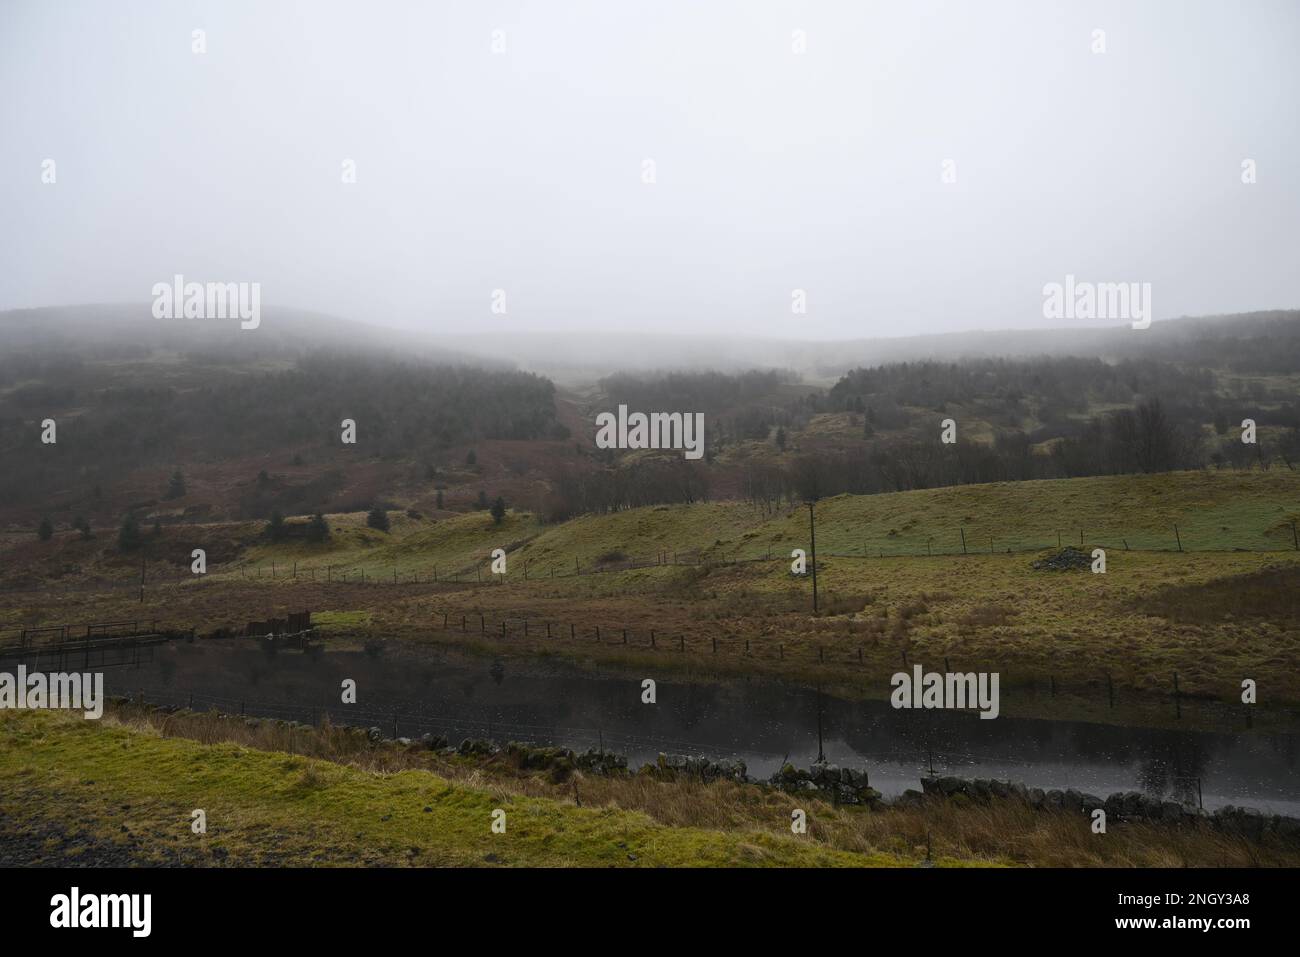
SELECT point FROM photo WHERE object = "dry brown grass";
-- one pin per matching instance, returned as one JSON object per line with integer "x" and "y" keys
{"x": 1271, "y": 594}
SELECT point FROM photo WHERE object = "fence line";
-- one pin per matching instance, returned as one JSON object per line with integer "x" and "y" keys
{"x": 806, "y": 651}
{"x": 801, "y": 651}
{"x": 480, "y": 573}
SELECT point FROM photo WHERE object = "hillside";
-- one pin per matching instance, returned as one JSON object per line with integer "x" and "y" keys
{"x": 1213, "y": 613}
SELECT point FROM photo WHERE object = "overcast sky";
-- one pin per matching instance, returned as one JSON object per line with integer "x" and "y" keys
{"x": 523, "y": 170}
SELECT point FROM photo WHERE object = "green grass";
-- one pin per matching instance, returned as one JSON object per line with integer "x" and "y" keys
{"x": 340, "y": 620}
{"x": 1214, "y": 511}
{"x": 1071, "y": 627}
{"x": 270, "y": 807}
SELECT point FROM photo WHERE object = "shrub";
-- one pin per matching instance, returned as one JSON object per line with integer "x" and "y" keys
{"x": 128, "y": 536}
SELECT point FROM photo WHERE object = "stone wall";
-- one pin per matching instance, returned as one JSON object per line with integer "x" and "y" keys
{"x": 1120, "y": 806}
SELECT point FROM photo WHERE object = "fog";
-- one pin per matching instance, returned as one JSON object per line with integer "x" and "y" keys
{"x": 523, "y": 168}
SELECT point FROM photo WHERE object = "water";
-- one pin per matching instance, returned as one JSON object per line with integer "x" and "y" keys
{"x": 761, "y": 722}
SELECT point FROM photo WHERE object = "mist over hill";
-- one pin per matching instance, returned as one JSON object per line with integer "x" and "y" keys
{"x": 578, "y": 356}
{"x": 251, "y": 419}
{"x": 125, "y": 330}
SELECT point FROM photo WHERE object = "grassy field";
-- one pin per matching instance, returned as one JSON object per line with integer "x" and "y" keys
{"x": 136, "y": 790}
{"x": 123, "y": 791}
{"x": 1213, "y": 511}
{"x": 1215, "y": 614}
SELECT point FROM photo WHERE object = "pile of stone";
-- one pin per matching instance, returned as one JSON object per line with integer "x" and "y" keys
{"x": 1067, "y": 559}
{"x": 1252, "y": 822}
{"x": 601, "y": 762}
{"x": 702, "y": 768}
{"x": 979, "y": 789}
{"x": 841, "y": 785}
{"x": 530, "y": 758}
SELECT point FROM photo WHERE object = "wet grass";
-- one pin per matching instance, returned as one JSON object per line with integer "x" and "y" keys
{"x": 128, "y": 784}
{"x": 341, "y": 799}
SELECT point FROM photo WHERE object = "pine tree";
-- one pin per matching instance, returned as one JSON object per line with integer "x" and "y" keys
{"x": 318, "y": 530}
{"x": 378, "y": 519}
{"x": 498, "y": 510}
{"x": 176, "y": 486}
{"x": 45, "y": 531}
{"x": 128, "y": 536}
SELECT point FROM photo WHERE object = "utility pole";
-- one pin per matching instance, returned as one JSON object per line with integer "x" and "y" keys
{"x": 812, "y": 530}
{"x": 821, "y": 754}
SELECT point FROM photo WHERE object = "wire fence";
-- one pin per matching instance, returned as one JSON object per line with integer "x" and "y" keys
{"x": 842, "y": 655}
{"x": 1281, "y": 538}
{"x": 846, "y": 659}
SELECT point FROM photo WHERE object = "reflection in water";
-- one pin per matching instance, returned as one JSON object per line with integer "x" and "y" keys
{"x": 763, "y": 723}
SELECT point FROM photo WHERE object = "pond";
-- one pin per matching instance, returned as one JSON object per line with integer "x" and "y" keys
{"x": 416, "y": 690}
